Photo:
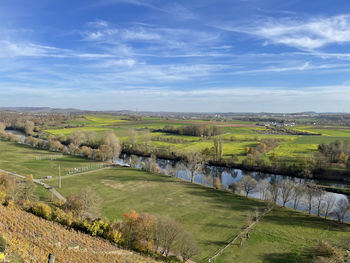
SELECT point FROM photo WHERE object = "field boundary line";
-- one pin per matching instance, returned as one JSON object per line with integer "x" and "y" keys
{"x": 239, "y": 235}
{"x": 71, "y": 175}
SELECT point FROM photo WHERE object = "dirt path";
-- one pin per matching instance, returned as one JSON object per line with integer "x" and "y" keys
{"x": 240, "y": 235}
{"x": 48, "y": 187}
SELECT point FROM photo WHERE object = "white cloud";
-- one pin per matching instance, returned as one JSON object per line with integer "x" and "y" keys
{"x": 302, "y": 67}
{"x": 140, "y": 35}
{"x": 300, "y": 32}
{"x": 98, "y": 24}
{"x": 25, "y": 49}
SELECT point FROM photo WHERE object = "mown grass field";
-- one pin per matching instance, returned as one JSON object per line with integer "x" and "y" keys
{"x": 21, "y": 159}
{"x": 212, "y": 216}
{"x": 285, "y": 236}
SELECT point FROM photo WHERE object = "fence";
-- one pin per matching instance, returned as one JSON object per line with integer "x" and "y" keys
{"x": 82, "y": 169}
{"x": 48, "y": 157}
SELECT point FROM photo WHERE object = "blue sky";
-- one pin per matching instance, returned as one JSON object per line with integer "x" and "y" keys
{"x": 190, "y": 55}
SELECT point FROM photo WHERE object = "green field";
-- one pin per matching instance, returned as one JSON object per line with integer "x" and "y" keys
{"x": 238, "y": 135}
{"x": 327, "y": 130}
{"x": 67, "y": 131}
{"x": 213, "y": 217}
{"x": 21, "y": 159}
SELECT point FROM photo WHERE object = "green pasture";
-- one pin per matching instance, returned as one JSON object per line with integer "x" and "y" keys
{"x": 213, "y": 217}
{"x": 21, "y": 159}
{"x": 293, "y": 150}
{"x": 68, "y": 131}
{"x": 285, "y": 236}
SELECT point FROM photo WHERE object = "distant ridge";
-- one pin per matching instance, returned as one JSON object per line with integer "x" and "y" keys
{"x": 40, "y": 109}
{"x": 161, "y": 113}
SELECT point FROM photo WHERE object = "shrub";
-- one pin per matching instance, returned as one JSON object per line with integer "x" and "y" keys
{"x": 2, "y": 197}
{"x": 97, "y": 227}
{"x": 217, "y": 183}
{"x": 2, "y": 244}
{"x": 112, "y": 235}
{"x": 42, "y": 210}
{"x": 326, "y": 250}
{"x": 62, "y": 217}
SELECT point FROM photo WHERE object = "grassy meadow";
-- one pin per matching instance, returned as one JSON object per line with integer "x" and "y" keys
{"x": 21, "y": 159}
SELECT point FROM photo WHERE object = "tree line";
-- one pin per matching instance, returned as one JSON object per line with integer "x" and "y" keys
{"x": 286, "y": 190}
{"x": 193, "y": 130}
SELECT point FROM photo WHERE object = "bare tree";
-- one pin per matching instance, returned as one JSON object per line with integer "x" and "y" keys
{"x": 170, "y": 170}
{"x": 166, "y": 232}
{"x": 328, "y": 204}
{"x": 2, "y": 127}
{"x": 309, "y": 194}
{"x": 196, "y": 163}
{"x": 77, "y": 137}
{"x": 263, "y": 186}
{"x": 91, "y": 202}
{"x": 298, "y": 194}
{"x": 341, "y": 209}
{"x": 273, "y": 191}
{"x": 113, "y": 142}
{"x": 247, "y": 184}
{"x": 105, "y": 152}
{"x": 218, "y": 148}
{"x": 187, "y": 246}
{"x": 55, "y": 145}
{"x": 319, "y": 195}
{"x": 134, "y": 160}
{"x": 73, "y": 149}
{"x": 29, "y": 127}
{"x": 152, "y": 164}
{"x": 286, "y": 188}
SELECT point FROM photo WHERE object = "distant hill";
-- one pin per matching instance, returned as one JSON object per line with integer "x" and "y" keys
{"x": 40, "y": 109}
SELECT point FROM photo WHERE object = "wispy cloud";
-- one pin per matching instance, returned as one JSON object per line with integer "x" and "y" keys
{"x": 302, "y": 33}
{"x": 307, "y": 66}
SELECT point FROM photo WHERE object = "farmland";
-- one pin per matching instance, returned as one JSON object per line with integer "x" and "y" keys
{"x": 237, "y": 135}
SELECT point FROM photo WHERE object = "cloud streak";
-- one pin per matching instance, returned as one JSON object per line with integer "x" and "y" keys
{"x": 301, "y": 33}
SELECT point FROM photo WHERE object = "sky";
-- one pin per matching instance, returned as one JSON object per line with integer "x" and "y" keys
{"x": 180, "y": 55}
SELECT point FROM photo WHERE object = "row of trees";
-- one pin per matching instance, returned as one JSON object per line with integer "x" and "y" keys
{"x": 193, "y": 130}
{"x": 286, "y": 190}
{"x": 108, "y": 149}
{"x": 336, "y": 152}
{"x": 17, "y": 122}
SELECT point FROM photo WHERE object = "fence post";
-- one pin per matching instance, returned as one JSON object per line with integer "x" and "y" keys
{"x": 51, "y": 258}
